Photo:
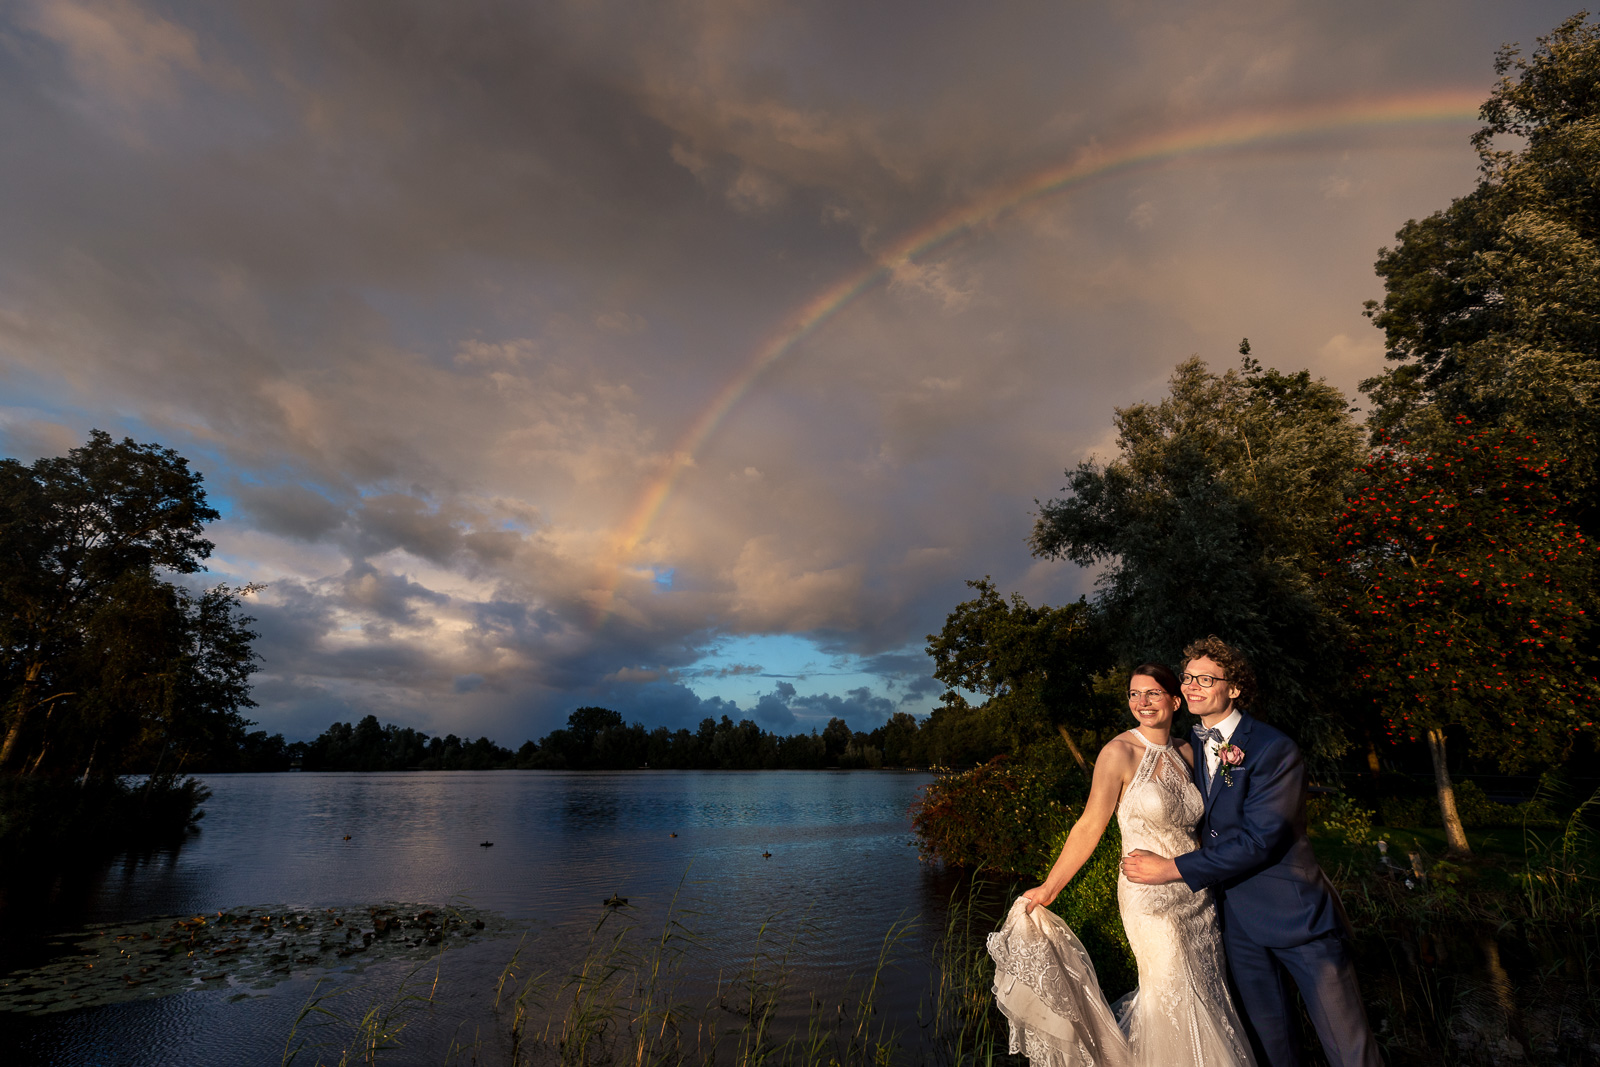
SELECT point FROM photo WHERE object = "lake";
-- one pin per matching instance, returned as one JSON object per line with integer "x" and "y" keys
{"x": 826, "y": 859}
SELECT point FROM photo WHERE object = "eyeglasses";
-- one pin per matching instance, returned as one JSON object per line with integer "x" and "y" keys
{"x": 1147, "y": 696}
{"x": 1204, "y": 681}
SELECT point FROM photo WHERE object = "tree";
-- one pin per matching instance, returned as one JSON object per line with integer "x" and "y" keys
{"x": 157, "y": 683}
{"x": 900, "y": 748}
{"x": 836, "y": 737}
{"x": 105, "y": 664}
{"x": 1210, "y": 519}
{"x": 1492, "y": 305}
{"x": 258, "y": 752}
{"x": 585, "y": 728}
{"x": 1035, "y": 666}
{"x": 1464, "y": 590}
{"x": 209, "y": 678}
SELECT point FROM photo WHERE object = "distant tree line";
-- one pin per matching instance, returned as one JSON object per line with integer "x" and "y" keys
{"x": 594, "y": 739}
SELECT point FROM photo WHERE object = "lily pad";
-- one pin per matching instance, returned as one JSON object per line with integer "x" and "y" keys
{"x": 241, "y": 948}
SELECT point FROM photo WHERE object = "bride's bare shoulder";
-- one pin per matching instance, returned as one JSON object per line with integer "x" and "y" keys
{"x": 1120, "y": 751}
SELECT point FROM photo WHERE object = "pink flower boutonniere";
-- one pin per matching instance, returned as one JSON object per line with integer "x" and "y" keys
{"x": 1229, "y": 756}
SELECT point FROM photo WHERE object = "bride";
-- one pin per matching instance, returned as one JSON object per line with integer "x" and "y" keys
{"x": 1181, "y": 1013}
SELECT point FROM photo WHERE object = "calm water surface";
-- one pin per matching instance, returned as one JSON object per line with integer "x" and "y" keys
{"x": 842, "y": 869}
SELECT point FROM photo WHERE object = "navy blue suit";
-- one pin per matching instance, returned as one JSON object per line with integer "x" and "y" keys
{"x": 1280, "y": 915}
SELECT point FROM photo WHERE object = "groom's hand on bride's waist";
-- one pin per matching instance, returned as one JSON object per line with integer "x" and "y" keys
{"x": 1147, "y": 868}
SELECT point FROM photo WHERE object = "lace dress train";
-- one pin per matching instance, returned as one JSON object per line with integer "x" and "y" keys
{"x": 1181, "y": 1013}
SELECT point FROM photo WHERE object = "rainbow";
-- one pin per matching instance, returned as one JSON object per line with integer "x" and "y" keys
{"x": 1232, "y": 132}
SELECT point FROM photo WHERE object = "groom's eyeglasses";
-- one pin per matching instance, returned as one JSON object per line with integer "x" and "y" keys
{"x": 1204, "y": 681}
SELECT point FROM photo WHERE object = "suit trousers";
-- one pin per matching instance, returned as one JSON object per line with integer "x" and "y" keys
{"x": 1325, "y": 975}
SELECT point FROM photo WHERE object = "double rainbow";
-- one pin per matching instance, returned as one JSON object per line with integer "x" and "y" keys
{"x": 1454, "y": 106}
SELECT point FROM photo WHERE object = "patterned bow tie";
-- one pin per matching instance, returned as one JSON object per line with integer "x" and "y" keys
{"x": 1212, "y": 734}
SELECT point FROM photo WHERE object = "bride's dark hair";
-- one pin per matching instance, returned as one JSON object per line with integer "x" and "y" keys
{"x": 1162, "y": 674}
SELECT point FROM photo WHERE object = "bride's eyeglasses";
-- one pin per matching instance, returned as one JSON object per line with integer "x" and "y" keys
{"x": 1148, "y": 696}
{"x": 1204, "y": 681}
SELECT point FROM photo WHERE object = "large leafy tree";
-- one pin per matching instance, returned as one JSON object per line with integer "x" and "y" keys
{"x": 1033, "y": 665}
{"x": 1210, "y": 519}
{"x": 1465, "y": 589}
{"x": 1492, "y": 305}
{"x": 103, "y": 661}
{"x": 156, "y": 683}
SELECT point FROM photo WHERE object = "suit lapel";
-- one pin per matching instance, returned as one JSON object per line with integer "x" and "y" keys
{"x": 1209, "y": 787}
{"x": 1241, "y": 734}
{"x": 1201, "y": 782}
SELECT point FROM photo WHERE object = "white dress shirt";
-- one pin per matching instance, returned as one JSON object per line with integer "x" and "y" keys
{"x": 1226, "y": 727}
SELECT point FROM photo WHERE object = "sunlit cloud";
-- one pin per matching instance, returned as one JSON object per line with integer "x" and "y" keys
{"x": 526, "y": 349}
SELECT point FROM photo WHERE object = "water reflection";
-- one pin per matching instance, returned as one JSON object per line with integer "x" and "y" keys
{"x": 841, "y": 867}
{"x": 583, "y": 809}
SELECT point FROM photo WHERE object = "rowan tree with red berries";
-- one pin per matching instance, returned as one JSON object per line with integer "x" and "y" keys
{"x": 1464, "y": 589}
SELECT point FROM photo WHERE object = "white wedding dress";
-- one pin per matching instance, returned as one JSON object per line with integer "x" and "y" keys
{"x": 1181, "y": 1014}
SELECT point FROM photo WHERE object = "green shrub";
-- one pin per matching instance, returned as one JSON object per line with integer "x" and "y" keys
{"x": 1011, "y": 817}
{"x": 1340, "y": 818}
{"x": 1001, "y": 815}
{"x": 1472, "y": 804}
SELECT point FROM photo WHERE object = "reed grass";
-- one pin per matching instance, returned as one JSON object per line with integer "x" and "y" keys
{"x": 1555, "y": 881}
{"x": 633, "y": 1000}
{"x": 361, "y": 1039}
{"x": 962, "y": 1022}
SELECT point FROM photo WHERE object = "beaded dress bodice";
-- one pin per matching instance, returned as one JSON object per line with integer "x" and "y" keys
{"x": 1161, "y": 806}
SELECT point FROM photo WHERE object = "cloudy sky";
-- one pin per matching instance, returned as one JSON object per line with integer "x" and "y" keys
{"x": 570, "y": 352}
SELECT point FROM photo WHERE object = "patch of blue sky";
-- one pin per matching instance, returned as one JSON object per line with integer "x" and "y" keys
{"x": 24, "y": 387}
{"x": 743, "y": 668}
{"x": 32, "y": 401}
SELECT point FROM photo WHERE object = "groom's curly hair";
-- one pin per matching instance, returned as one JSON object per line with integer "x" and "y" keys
{"x": 1240, "y": 676}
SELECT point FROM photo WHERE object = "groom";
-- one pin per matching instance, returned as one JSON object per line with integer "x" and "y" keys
{"x": 1280, "y": 916}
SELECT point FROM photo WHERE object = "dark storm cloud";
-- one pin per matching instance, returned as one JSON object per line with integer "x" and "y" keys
{"x": 368, "y": 137}
{"x": 388, "y": 596}
{"x": 289, "y": 510}
{"x": 437, "y": 288}
{"x": 654, "y": 703}
{"x": 859, "y": 707}
{"x": 785, "y": 708}
{"x": 395, "y": 520}
{"x": 910, "y": 673}
{"x": 302, "y": 711}
{"x": 918, "y": 690}
{"x": 772, "y": 711}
